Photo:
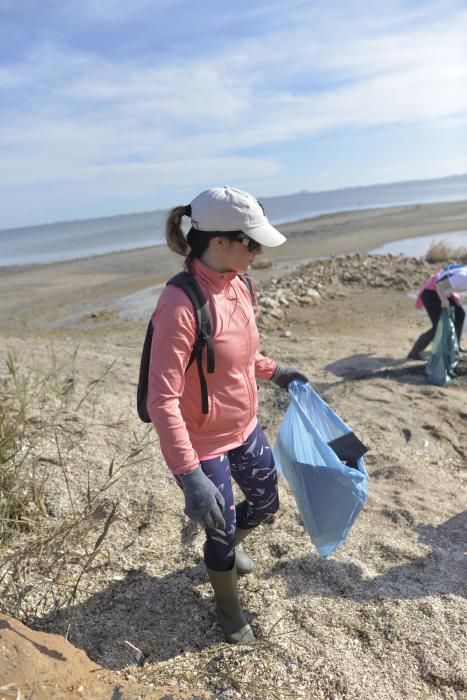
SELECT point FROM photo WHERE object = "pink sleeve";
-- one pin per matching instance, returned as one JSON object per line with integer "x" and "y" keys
{"x": 173, "y": 339}
{"x": 264, "y": 366}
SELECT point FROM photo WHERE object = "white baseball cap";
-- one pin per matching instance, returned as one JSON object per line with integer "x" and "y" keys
{"x": 227, "y": 209}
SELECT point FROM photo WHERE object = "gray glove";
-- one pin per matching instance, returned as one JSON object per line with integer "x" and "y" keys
{"x": 284, "y": 375}
{"x": 203, "y": 501}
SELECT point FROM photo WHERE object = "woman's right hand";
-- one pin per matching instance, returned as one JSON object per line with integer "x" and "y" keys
{"x": 204, "y": 503}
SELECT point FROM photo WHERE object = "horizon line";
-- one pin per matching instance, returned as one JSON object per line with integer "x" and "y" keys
{"x": 268, "y": 197}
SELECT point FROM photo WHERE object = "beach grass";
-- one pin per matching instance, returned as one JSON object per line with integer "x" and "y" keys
{"x": 14, "y": 498}
{"x": 42, "y": 410}
{"x": 442, "y": 252}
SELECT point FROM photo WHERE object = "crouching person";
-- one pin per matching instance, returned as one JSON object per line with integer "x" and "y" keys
{"x": 202, "y": 395}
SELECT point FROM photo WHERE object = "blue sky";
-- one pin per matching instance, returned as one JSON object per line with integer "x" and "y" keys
{"x": 118, "y": 106}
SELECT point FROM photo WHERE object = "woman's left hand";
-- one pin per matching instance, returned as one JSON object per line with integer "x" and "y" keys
{"x": 284, "y": 375}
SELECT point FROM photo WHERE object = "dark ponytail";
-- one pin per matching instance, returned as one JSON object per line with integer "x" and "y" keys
{"x": 174, "y": 232}
{"x": 196, "y": 242}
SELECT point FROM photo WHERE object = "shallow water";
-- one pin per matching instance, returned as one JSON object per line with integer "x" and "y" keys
{"x": 418, "y": 246}
{"x": 83, "y": 238}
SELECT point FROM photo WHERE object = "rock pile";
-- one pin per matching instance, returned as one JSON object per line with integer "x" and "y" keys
{"x": 307, "y": 284}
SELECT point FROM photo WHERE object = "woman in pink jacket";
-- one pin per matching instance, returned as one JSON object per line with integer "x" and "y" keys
{"x": 430, "y": 296}
{"x": 205, "y": 451}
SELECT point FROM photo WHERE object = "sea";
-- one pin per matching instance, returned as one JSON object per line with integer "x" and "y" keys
{"x": 67, "y": 240}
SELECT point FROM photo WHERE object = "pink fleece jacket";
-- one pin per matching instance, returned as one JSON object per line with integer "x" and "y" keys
{"x": 187, "y": 435}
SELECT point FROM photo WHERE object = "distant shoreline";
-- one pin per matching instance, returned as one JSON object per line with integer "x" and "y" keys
{"x": 420, "y": 184}
{"x": 287, "y": 227}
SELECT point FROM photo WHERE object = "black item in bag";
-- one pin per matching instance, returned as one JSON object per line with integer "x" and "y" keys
{"x": 348, "y": 448}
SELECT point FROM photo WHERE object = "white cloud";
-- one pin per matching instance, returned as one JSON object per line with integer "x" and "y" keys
{"x": 77, "y": 117}
{"x": 183, "y": 94}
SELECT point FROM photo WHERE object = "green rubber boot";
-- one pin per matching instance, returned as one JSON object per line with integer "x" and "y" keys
{"x": 231, "y": 616}
{"x": 242, "y": 561}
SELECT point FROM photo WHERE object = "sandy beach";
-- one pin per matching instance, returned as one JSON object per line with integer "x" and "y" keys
{"x": 106, "y": 557}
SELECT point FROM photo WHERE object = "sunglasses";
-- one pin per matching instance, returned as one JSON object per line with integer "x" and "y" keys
{"x": 237, "y": 236}
{"x": 253, "y": 246}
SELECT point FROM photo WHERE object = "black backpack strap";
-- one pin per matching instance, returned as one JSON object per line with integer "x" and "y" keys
{"x": 184, "y": 280}
{"x": 249, "y": 284}
{"x": 142, "y": 394}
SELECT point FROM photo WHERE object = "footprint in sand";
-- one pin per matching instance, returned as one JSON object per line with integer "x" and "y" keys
{"x": 433, "y": 430}
{"x": 399, "y": 516}
{"x": 407, "y": 434}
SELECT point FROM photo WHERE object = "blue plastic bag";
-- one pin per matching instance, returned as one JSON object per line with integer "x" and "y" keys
{"x": 329, "y": 494}
{"x": 445, "y": 351}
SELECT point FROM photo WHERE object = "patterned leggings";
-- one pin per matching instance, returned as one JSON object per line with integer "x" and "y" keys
{"x": 252, "y": 467}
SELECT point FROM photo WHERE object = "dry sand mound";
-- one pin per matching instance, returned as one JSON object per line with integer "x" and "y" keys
{"x": 45, "y": 666}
